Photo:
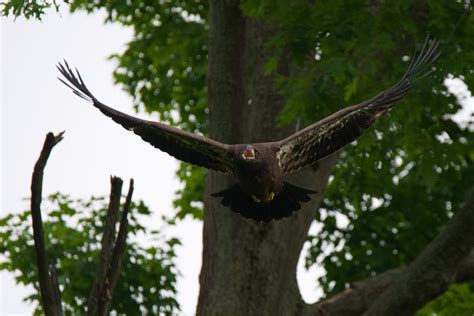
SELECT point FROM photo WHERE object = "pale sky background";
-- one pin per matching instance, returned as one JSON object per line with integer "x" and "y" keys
{"x": 34, "y": 102}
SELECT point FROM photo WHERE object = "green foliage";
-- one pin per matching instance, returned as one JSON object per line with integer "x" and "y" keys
{"x": 73, "y": 230}
{"x": 400, "y": 184}
{"x": 27, "y": 8}
{"x": 191, "y": 195}
{"x": 458, "y": 300}
{"x": 164, "y": 70}
{"x": 395, "y": 189}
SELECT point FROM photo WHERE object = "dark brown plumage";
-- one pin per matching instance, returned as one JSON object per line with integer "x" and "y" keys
{"x": 260, "y": 192}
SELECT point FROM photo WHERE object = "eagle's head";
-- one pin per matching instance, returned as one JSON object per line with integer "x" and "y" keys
{"x": 248, "y": 153}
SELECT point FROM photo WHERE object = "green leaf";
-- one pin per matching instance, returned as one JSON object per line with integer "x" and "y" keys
{"x": 73, "y": 247}
{"x": 270, "y": 66}
{"x": 350, "y": 89}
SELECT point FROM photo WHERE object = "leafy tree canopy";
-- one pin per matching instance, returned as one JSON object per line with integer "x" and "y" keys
{"x": 399, "y": 183}
{"x": 73, "y": 228}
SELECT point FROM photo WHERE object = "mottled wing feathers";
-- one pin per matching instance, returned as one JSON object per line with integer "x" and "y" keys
{"x": 334, "y": 132}
{"x": 180, "y": 144}
{"x": 324, "y": 140}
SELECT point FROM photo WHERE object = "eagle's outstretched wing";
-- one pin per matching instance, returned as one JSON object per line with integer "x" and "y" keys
{"x": 180, "y": 144}
{"x": 339, "y": 129}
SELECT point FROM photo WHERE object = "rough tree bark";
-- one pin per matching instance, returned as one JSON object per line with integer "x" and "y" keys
{"x": 249, "y": 268}
{"x": 244, "y": 261}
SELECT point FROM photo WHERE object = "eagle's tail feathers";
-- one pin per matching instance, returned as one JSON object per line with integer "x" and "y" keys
{"x": 284, "y": 204}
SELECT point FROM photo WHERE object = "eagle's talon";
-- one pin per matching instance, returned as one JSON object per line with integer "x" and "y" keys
{"x": 271, "y": 196}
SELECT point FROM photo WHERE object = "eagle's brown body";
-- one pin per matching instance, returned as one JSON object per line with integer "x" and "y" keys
{"x": 261, "y": 177}
{"x": 261, "y": 193}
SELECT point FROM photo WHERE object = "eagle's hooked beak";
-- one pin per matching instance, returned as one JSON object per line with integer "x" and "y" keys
{"x": 249, "y": 153}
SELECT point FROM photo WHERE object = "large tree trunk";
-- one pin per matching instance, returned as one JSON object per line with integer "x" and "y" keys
{"x": 248, "y": 268}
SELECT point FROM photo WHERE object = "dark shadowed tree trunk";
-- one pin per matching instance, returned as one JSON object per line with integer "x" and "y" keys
{"x": 248, "y": 268}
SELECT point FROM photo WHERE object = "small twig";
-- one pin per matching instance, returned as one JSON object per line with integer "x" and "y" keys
{"x": 119, "y": 251}
{"x": 49, "y": 288}
{"x": 108, "y": 240}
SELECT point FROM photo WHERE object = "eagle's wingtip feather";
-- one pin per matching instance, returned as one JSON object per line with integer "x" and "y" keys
{"x": 75, "y": 82}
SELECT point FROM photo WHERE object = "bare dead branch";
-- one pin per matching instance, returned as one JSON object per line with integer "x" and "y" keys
{"x": 108, "y": 239}
{"x": 49, "y": 288}
{"x": 55, "y": 284}
{"x": 119, "y": 250}
{"x": 111, "y": 253}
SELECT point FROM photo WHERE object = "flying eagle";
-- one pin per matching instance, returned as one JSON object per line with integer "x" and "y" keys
{"x": 260, "y": 193}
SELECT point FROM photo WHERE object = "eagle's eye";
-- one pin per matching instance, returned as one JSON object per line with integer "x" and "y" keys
{"x": 248, "y": 153}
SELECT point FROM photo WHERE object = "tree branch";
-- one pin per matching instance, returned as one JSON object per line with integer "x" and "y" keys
{"x": 436, "y": 264}
{"x": 119, "y": 251}
{"x": 363, "y": 294}
{"x": 55, "y": 285}
{"x": 466, "y": 269}
{"x": 111, "y": 253}
{"x": 49, "y": 288}
{"x": 434, "y": 270}
{"x": 359, "y": 298}
{"x": 107, "y": 244}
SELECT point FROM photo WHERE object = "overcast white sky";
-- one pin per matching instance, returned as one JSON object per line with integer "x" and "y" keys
{"x": 33, "y": 102}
